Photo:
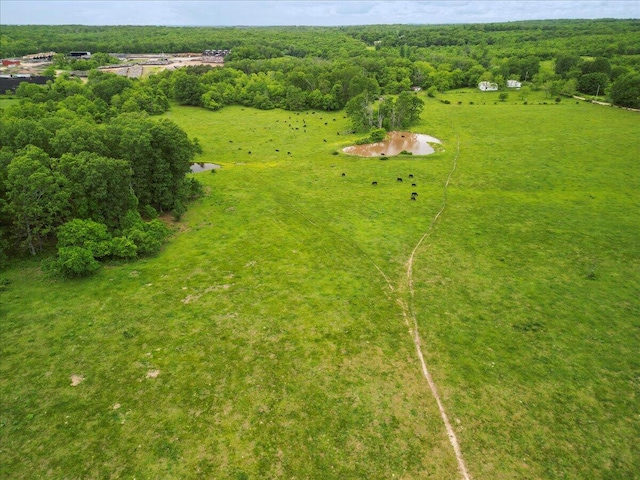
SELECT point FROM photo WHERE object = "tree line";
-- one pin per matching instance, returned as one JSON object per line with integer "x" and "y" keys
{"x": 88, "y": 168}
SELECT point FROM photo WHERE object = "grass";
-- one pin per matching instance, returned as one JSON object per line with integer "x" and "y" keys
{"x": 280, "y": 350}
{"x": 8, "y": 100}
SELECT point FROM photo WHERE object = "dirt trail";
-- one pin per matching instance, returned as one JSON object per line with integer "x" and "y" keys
{"x": 409, "y": 316}
{"x": 403, "y": 294}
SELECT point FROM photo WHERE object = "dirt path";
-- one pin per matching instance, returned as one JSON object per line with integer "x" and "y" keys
{"x": 403, "y": 294}
{"x": 408, "y": 313}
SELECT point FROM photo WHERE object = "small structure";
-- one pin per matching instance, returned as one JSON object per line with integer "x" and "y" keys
{"x": 416, "y": 89}
{"x": 514, "y": 84}
{"x": 82, "y": 55}
{"x": 11, "y": 82}
{"x": 214, "y": 56}
{"x": 39, "y": 57}
{"x": 488, "y": 86}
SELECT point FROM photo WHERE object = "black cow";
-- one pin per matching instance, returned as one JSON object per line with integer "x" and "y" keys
{"x": 399, "y": 179}
{"x": 344, "y": 174}
{"x": 414, "y": 185}
{"x": 413, "y": 198}
{"x": 277, "y": 150}
{"x": 414, "y": 194}
{"x": 411, "y": 175}
{"x": 288, "y": 153}
{"x": 324, "y": 139}
{"x": 374, "y": 183}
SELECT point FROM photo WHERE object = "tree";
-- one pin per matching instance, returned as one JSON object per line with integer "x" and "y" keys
{"x": 36, "y": 197}
{"x": 106, "y": 85}
{"x": 100, "y": 187}
{"x": 564, "y": 63}
{"x": 593, "y": 83}
{"x": 188, "y": 90}
{"x": 360, "y": 112}
{"x": 625, "y": 91}
{"x": 408, "y": 109}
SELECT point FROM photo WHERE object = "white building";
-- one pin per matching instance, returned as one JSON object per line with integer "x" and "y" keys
{"x": 488, "y": 86}
{"x": 513, "y": 84}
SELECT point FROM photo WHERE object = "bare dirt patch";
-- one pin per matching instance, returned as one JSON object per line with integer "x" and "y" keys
{"x": 76, "y": 380}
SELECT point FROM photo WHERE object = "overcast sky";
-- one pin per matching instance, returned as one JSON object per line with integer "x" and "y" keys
{"x": 228, "y": 13}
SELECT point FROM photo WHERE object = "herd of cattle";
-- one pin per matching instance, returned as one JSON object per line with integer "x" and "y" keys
{"x": 414, "y": 195}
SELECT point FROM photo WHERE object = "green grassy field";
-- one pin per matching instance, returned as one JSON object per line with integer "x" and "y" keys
{"x": 6, "y": 101}
{"x": 264, "y": 342}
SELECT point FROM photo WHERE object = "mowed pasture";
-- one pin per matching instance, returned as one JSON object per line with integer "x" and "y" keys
{"x": 265, "y": 342}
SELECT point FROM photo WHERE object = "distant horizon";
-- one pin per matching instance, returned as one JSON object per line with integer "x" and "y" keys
{"x": 318, "y": 26}
{"x": 298, "y": 13}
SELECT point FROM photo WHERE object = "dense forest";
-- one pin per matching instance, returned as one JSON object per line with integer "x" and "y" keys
{"x": 85, "y": 164}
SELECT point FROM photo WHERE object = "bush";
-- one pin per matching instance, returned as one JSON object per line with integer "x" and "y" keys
{"x": 76, "y": 261}
{"x": 178, "y": 210}
{"x": 86, "y": 234}
{"x": 147, "y": 237}
{"x": 122, "y": 247}
{"x": 377, "y": 135}
{"x": 149, "y": 212}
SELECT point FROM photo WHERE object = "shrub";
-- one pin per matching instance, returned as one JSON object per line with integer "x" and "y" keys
{"x": 149, "y": 212}
{"x": 122, "y": 247}
{"x": 76, "y": 261}
{"x": 86, "y": 234}
{"x": 178, "y": 210}
{"x": 147, "y": 237}
{"x": 377, "y": 135}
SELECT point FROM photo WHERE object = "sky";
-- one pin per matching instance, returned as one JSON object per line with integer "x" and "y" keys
{"x": 300, "y": 12}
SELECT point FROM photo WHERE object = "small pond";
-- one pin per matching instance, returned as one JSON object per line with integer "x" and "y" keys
{"x": 203, "y": 167}
{"x": 396, "y": 142}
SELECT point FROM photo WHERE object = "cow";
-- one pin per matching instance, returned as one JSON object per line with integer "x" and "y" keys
{"x": 411, "y": 175}
{"x": 344, "y": 174}
{"x": 413, "y": 198}
{"x": 374, "y": 183}
{"x": 414, "y": 194}
{"x": 277, "y": 150}
{"x": 399, "y": 179}
{"x": 414, "y": 185}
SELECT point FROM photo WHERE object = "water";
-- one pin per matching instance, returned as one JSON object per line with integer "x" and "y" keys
{"x": 203, "y": 167}
{"x": 396, "y": 142}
